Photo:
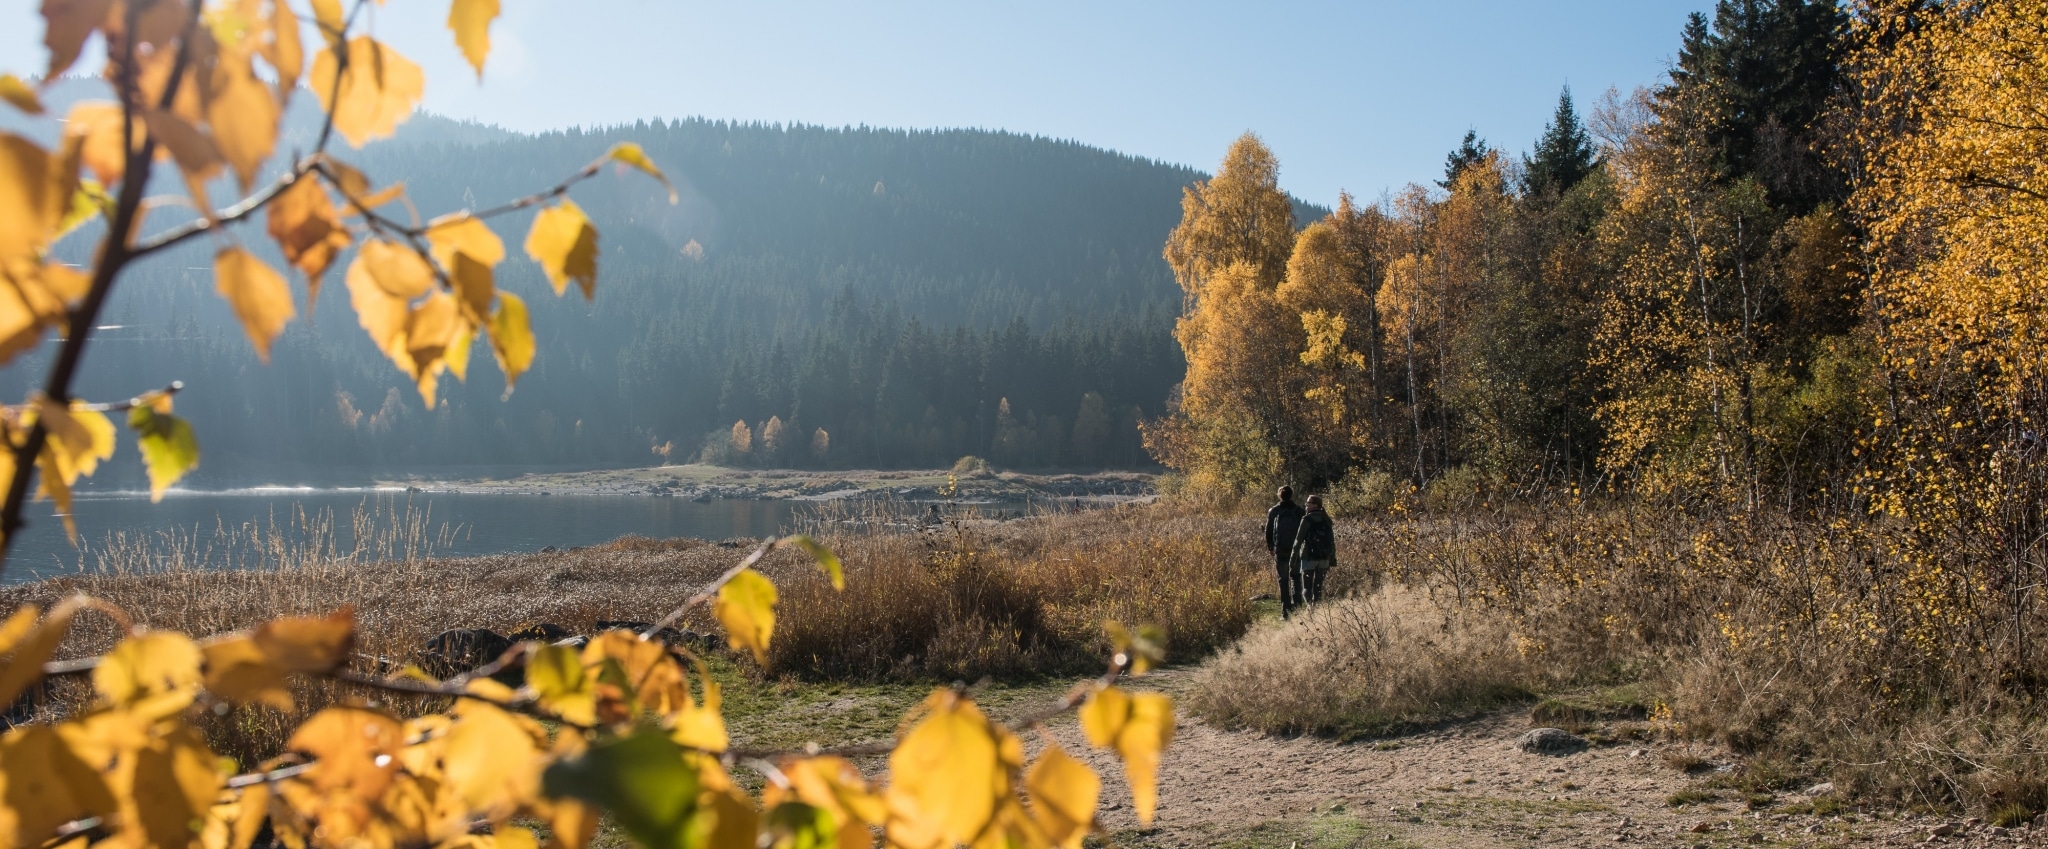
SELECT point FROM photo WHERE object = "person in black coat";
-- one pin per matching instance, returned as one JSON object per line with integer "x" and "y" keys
{"x": 1281, "y": 521}
{"x": 1315, "y": 550}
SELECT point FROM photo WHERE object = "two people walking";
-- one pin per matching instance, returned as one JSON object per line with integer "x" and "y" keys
{"x": 1304, "y": 548}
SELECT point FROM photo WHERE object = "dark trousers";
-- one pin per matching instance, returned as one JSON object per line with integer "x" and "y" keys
{"x": 1290, "y": 582}
{"x": 1312, "y": 584}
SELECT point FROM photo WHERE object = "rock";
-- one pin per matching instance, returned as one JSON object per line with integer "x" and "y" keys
{"x": 544, "y": 632}
{"x": 1998, "y": 831}
{"x": 1814, "y": 829}
{"x": 1701, "y": 827}
{"x": 1943, "y": 830}
{"x": 464, "y": 649}
{"x": 1822, "y": 789}
{"x": 1636, "y": 753}
{"x": 1550, "y": 741}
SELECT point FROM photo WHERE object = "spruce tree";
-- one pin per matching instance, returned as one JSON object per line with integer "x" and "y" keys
{"x": 1470, "y": 151}
{"x": 1564, "y": 155}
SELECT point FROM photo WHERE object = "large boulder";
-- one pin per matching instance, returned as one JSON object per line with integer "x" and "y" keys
{"x": 463, "y": 649}
{"x": 1550, "y": 741}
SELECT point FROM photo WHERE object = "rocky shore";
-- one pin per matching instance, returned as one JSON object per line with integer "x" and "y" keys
{"x": 704, "y": 483}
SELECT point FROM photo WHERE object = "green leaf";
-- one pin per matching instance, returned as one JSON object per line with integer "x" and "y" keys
{"x": 642, "y": 780}
{"x": 800, "y": 826}
{"x": 826, "y": 559}
{"x": 169, "y": 448}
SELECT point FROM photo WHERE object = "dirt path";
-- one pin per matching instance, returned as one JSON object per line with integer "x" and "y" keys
{"x": 1464, "y": 785}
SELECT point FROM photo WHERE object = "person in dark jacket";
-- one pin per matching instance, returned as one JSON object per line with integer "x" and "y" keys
{"x": 1315, "y": 550}
{"x": 1281, "y": 521}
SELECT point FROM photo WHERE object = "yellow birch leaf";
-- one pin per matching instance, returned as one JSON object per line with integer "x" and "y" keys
{"x": 16, "y": 92}
{"x": 515, "y": 837}
{"x": 168, "y": 445}
{"x": 98, "y": 123}
{"x": 233, "y": 824}
{"x": 355, "y": 750}
{"x": 565, "y": 245}
{"x": 51, "y": 483}
{"x": 1064, "y": 793}
{"x": 471, "y": 22}
{"x": 473, "y": 286}
{"x": 285, "y": 53}
{"x": 457, "y": 356}
{"x": 824, "y": 557}
{"x": 746, "y": 607}
{"x": 238, "y": 671}
{"x": 571, "y": 823}
{"x": 429, "y": 329}
{"x": 511, "y": 337}
{"x": 559, "y": 682}
{"x": 944, "y": 776}
{"x": 67, "y": 24}
{"x": 377, "y": 92}
{"x": 1104, "y": 715}
{"x": 726, "y": 819}
{"x": 153, "y": 675}
{"x": 88, "y": 201}
{"x": 243, "y": 116}
{"x": 306, "y": 227}
{"x": 258, "y": 295}
{"x": 490, "y": 761}
{"x": 464, "y": 235}
{"x": 628, "y": 153}
{"x": 80, "y": 437}
{"x": 311, "y": 644}
{"x": 46, "y": 786}
{"x": 24, "y": 666}
{"x": 833, "y": 785}
{"x": 327, "y": 17}
{"x": 1143, "y": 737}
{"x": 24, "y": 198}
{"x": 396, "y": 269}
{"x": 18, "y": 625}
{"x": 176, "y": 782}
{"x": 195, "y": 152}
{"x": 380, "y": 314}
{"x": 702, "y": 726}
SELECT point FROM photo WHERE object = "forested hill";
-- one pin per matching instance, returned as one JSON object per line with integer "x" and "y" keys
{"x": 889, "y": 288}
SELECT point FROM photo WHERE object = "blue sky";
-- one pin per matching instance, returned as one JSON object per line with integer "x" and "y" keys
{"x": 1366, "y": 95}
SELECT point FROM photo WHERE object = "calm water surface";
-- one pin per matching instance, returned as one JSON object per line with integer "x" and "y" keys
{"x": 454, "y": 524}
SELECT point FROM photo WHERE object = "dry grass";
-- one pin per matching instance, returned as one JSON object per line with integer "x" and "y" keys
{"x": 1364, "y": 665}
{"x": 1900, "y": 664}
{"x": 969, "y": 598}
{"x": 972, "y": 599}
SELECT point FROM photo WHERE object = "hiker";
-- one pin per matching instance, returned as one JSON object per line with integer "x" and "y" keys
{"x": 1281, "y": 521}
{"x": 1315, "y": 550}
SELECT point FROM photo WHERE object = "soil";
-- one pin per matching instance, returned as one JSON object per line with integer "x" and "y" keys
{"x": 1463, "y": 785}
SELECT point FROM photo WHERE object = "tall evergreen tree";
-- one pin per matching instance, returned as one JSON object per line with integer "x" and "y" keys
{"x": 1564, "y": 155}
{"x": 1469, "y": 152}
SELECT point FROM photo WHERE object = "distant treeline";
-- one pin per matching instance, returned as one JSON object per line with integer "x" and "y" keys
{"x": 891, "y": 288}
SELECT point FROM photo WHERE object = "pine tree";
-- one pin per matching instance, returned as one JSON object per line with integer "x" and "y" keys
{"x": 1470, "y": 151}
{"x": 1564, "y": 155}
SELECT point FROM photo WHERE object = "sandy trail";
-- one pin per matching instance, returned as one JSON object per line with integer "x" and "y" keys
{"x": 1461, "y": 785}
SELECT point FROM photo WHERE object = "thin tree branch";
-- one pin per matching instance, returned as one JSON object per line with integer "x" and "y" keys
{"x": 206, "y": 224}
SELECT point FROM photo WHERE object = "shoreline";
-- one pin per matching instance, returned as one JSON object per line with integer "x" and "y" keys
{"x": 701, "y": 482}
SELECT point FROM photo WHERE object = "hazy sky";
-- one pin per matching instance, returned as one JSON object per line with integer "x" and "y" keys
{"x": 1365, "y": 95}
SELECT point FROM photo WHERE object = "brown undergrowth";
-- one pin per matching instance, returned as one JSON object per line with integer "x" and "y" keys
{"x": 1900, "y": 666}
{"x": 966, "y": 599}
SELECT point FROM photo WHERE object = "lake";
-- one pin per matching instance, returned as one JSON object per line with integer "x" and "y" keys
{"x": 236, "y": 526}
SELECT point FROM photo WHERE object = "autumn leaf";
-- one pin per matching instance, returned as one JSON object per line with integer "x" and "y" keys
{"x": 62, "y": 788}
{"x": 471, "y": 22}
{"x": 353, "y": 750}
{"x": 489, "y": 758}
{"x": 16, "y": 92}
{"x": 565, "y": 245}
{"x": 23, "y": 665}
{"x": 511, "y": 338}
{"x": 67, "y": 24}
{"x": 630, "y": 154}
{"x": 377, "y": 92}
{"x": 169, "y": 447}
{"x": 243, "y": 117}
{"x": 99, "y": 125}
{"x": 259, "y": 296}
{"x": 25, "y": 203}
{"x": 824, "y": 557}
{"x": 381, "y": 314}
{"x": 945, "y": 776}
{"x": 465, "y": 235}
{"x": 307, "y": 228}
{"x": 237, "y": 670}
{"x": 191, "y": 148}
{"x": 176, "y": 781}
{"x": 559, "y": 681}
{"x": 1064, "y": 793}
{"x": 746, "y": 607}
{"x": 153, "y": 675}
{"x": 474, "y": 288}
{"x": 284, "y": 51}
{"x": 312, "y": 644}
